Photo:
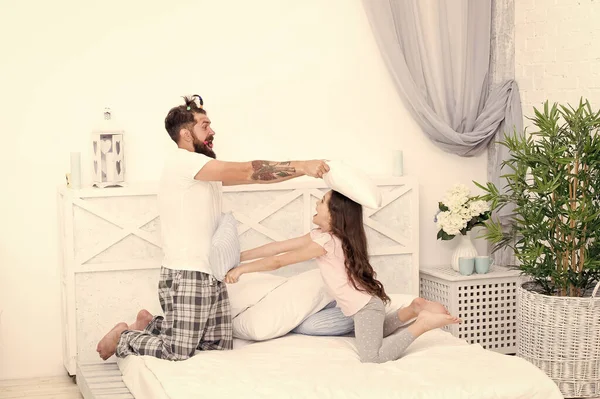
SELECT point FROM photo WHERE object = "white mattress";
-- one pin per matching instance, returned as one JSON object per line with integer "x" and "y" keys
{"x": 437, "y": 365}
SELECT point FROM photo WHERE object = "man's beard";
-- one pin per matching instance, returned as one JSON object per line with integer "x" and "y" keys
{"x": 202, "y": 148}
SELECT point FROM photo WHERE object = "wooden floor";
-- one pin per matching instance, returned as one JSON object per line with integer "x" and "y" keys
{"x": 37, "y": 388}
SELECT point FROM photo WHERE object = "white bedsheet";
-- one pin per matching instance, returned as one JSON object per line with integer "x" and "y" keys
{"x": 437, "y": 365}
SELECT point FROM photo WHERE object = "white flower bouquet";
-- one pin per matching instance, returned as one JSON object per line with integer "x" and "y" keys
{"x": 460, "y": 212}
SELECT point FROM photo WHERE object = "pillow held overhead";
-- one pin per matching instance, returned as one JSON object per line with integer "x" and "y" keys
{"x": 353, "y": 184}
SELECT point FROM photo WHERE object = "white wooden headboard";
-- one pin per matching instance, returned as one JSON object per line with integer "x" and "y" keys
{"x": 110, "y": 246}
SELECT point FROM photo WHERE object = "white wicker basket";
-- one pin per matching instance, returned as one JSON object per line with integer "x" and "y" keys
{"x": 561, "y": 336}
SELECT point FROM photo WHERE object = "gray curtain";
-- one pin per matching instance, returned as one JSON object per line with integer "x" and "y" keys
{"x": 511, "y": 123}
{"x": 438, "y": 54}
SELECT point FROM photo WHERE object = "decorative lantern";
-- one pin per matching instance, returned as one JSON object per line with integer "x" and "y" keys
{"x": 108, "y": 154}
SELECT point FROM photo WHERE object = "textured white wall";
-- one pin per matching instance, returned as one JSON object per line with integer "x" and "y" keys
{"x": 557, "y": 51}
{"x": 281, "y": 80}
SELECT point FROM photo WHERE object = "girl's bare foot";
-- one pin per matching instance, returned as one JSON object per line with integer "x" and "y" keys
{"x": 427, "y": 321}
{"x": 108, "y": 345}
{"x": 141, "y": 322}
{"x": 420, "y": 304}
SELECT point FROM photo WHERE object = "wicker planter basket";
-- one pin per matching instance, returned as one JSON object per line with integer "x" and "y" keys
{"x": 561, "y": 336}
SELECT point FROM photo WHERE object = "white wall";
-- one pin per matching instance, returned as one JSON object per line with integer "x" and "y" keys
{"x": 557, "y": 43}
{"x": 281, "y": 80}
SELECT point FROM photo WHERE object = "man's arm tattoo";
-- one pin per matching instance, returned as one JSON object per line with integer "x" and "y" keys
{"x": 265, "y": 170}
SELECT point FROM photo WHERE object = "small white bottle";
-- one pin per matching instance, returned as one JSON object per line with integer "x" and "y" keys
{"x": 398, "y": 167}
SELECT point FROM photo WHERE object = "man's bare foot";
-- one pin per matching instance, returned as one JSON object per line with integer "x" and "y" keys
{"x": 427, "y": 321}
{"x": 108, "y": 345}
{"x": 141, "y": 322}
{"x": 420, "y": 304}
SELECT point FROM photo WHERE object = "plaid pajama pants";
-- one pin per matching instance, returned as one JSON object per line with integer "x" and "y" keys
{"x": 197, "y": 316}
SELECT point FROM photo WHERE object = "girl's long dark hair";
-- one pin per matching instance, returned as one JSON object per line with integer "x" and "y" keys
{"x": 347, "y": 225}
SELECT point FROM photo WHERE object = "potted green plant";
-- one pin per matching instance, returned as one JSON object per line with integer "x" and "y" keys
{"x": 553, "y": 187}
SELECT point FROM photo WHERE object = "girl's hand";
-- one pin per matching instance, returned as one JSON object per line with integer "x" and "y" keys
{"x": 233, "y": 275}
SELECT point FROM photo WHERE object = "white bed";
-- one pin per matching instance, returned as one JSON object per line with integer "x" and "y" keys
{"x": 111, "y": 286}
{"x": 436, "y": 365}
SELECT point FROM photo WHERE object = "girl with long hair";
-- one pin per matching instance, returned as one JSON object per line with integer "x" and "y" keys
{"x": 339, "y": 246}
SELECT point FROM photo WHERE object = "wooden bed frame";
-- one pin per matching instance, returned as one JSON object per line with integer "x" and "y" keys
{"x": 110, "y": 254}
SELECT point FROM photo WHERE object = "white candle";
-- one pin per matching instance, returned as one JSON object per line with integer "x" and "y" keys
{"x": 76, "y": 170}
{"x": 398, "y": 169}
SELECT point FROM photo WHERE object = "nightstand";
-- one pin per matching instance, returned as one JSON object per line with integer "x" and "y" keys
{"x": 486, "y": 303}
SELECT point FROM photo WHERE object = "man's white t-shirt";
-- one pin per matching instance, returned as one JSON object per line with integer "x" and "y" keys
{"x": 189, "y": 212}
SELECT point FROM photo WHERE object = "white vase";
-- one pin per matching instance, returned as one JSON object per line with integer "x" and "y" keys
{"x": 465, "y": 249}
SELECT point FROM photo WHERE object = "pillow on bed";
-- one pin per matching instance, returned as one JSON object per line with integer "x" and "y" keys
{"x": 353, "y": 184}
{"x": 329, "y": 321}
{"x": 250, "y": 289}
{"x": 283, "y": 308}
{"x": 225, "y": 247}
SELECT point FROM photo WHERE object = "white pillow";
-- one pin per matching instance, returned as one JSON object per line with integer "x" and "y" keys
{"x": 282, "y": 309}
{"x": 225, "y": 247}
{"x": 250, "y": 289}
{"x": 353, "y": 184}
